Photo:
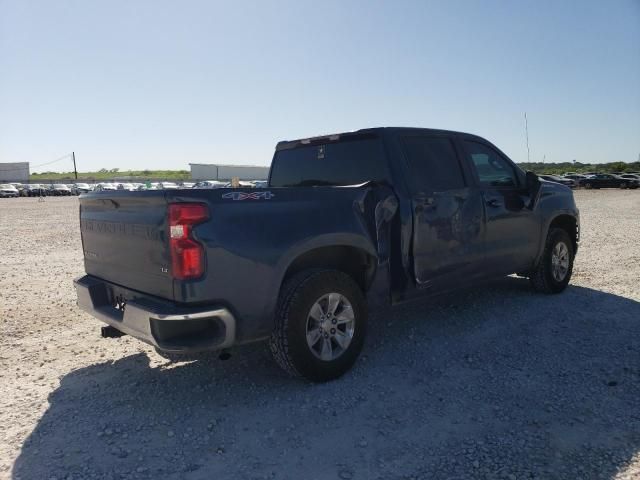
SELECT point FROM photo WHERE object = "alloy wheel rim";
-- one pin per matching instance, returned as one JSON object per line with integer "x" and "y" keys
{"x": 330, "y": 326}
{"x": 560, "y": 261}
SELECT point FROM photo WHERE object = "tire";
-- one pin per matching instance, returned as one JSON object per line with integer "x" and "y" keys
{"x": 588, "y": 186}
{"x": 295, "y": 320}
{"x": 543, "y": 277}
{"x": 623, "y": 185}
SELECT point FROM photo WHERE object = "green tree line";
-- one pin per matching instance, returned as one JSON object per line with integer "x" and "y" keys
{"x": 108, "y": 174}
{"x": 577, "y": 167}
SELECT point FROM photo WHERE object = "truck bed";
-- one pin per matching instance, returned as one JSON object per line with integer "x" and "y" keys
{"x": 249, "y": 240}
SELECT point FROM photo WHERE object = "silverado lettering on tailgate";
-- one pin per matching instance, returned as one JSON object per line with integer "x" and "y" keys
{"x": 148, "y": 232}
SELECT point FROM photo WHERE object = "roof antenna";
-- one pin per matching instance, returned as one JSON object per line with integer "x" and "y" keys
{"x": 526, "y": 132}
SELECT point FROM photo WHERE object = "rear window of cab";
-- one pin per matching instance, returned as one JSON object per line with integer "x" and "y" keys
{"x": 350, "y": 161}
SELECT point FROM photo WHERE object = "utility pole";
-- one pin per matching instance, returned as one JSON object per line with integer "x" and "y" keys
{"x": 526, "y": 131}
{"x": 75, "y": 171}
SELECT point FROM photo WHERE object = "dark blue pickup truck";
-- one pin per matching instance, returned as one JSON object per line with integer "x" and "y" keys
{"x": 348, "y": 222}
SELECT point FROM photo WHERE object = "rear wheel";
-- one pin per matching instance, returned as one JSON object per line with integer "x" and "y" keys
{"x": 553, "y": 272}
{"x": 320, "y": 325}
{"x": 588, "y": 186}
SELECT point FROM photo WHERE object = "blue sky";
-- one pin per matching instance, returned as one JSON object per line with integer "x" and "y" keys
{"x": 159, "y": 84}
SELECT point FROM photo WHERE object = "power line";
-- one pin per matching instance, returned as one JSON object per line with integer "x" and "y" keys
{"x": 53, "y": 161}
{"x": 36, "y": 166}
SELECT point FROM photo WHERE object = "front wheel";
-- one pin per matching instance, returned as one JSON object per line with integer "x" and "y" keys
{"x": 553, "y": 271}
{"x": 320, "y": 325}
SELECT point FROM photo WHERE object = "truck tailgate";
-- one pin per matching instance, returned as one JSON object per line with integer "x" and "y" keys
{"x": 124, "y": 240}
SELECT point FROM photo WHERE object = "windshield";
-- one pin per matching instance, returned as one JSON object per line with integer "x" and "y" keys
{"x": 347, "y": 162}
{"x": 7, "y": 187}
{"x": 59, "y": 186}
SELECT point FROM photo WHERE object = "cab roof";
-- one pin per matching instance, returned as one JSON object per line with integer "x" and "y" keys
{"x": 364, "y": 133}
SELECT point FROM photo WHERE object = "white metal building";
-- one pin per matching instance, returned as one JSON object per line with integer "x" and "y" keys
{"x": 14, "y": 172}
{"x": 205, "y": 171}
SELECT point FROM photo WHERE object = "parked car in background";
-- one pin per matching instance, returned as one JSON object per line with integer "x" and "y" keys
{"x": 260, "y": 184}
{"x": 127, "y": 186}
{"x": 349, "y": 223}
{"x": 608, "y": 180}
{"x": 81, "y": 188}
{"x": 105, "y": 186}
{"x": 187, "y": 185}
{"x": 575, "y": 176}
{"x": 630, "y": 176}
{"x": 561, "y": 180}
{"x": 34, "y": 190}
{"x": 61, "y": 190}
{"x": 8, "y": 191}
{"x": 168, "y": 186}
{"x": 210, "y": 184}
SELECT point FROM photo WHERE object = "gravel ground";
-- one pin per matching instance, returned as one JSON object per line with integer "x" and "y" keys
{"x": 496, "y": 382}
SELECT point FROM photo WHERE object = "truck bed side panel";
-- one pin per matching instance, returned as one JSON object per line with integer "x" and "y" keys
{"x": 250, "y": 243}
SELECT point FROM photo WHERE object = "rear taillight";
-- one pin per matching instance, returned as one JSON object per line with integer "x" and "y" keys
{"x": 187, "y": 255}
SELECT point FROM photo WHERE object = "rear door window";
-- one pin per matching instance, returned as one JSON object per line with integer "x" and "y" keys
{"x": 433, "y": 164}
{"x": 345, "y": 162}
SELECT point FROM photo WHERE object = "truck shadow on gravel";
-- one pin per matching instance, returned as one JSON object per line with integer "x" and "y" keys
{"x": 495, "y": 382}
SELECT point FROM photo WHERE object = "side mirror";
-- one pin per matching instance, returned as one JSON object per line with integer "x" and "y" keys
{"x": 533, "y": 187}
{"x": 532, "y": 181}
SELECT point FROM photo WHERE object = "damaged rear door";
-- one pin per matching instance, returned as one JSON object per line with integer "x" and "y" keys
{"x": 447, "y": 213}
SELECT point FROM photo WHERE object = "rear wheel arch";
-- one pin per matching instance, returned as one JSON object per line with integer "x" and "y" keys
{"x": 359, "y": 264}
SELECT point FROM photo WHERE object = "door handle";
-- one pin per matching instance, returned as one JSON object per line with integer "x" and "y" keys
{"x": 422, "y": 199}
{"x": 423, "y": 202}
{"x": 493, "y": 202}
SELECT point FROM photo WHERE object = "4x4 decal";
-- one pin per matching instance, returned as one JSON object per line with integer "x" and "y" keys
{"x": 249, "y": 196}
